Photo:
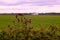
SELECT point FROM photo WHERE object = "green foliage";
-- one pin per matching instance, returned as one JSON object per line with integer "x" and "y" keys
{"x": 20, "y": 30}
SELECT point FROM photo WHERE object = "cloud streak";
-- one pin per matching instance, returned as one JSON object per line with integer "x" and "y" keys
{"x": 29, "y": 9}
{"x": 30, "y": 2}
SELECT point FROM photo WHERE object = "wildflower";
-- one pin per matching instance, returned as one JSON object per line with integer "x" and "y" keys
{"x": 25, "y": 21}
{"x": 30, "y": 21}
{"x": 16, "y": 16}
{"x": 24, "y": 18}
{"x": 9, "y": 27}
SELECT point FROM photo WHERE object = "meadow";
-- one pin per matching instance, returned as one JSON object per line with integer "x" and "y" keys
{"x": 37, "y": 20}
{"x": 29, "y": 27}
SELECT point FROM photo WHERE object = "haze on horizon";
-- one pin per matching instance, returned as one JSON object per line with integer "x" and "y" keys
{"x": 17, "y": 6}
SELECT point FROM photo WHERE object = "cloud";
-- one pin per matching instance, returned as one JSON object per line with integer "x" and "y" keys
{"x": 27, "y": 9}
{"x": 8, "y": 2}
{"x": 29, "y": 2}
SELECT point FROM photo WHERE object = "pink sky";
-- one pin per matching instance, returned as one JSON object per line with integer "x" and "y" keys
{"x": 29, "y": 6}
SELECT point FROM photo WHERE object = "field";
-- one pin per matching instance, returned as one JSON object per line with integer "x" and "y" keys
{"x": 42, "y": 27}
{"x": 37, "y": 21}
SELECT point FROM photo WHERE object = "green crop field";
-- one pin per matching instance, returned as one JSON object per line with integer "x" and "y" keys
{"x": 37, "y": 21}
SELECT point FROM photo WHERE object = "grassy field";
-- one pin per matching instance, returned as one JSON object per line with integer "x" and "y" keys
{"x": 37, "y": 21}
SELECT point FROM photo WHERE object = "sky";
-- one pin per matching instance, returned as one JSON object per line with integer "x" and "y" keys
{"x": 23, "y": 6}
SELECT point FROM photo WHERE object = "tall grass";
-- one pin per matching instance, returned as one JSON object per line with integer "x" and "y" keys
{"x": 22, "y": 31}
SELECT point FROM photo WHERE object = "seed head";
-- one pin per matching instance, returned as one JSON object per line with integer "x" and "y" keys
{"x": 18, "y": 20}
{"x": 16, "y": 16}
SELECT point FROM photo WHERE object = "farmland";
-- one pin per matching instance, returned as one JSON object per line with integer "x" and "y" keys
{"x": 41, "y": 27}
{"x": 37, "y": 21}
